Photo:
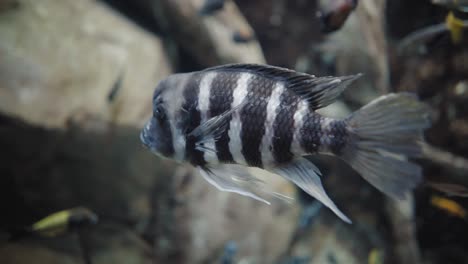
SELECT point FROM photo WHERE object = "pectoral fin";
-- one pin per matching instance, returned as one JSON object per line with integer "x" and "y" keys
{"x": 212, "y": 128}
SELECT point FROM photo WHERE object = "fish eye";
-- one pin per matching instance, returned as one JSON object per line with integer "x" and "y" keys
{"x": 159, "y": 112}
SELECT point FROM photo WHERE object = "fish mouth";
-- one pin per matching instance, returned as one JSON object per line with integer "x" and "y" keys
{"x": 144, "y": 138}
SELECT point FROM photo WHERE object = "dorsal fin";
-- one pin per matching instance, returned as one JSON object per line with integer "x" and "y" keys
{"x": 318, "y": 91}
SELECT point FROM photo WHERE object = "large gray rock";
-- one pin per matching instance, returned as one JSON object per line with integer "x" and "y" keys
{"x": 60, "y": 60}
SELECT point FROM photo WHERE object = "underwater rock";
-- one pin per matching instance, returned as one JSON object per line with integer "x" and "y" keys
{"x": 109, "y": 243}
{"x": 372, "y": 23}
{"x": 31, "y": 253}
{"x": 285, "y": 28}
{"x": 331, "y": 241}
{"x": 402, "y": 217}
{"x": 207, "y": 38}
{"x": 47, "y": 170}
{"x": 348, "y": 52}
{"x": 114, "y": 243}
{"x": 202, "y": 219}
{"x": 61, "y": 60}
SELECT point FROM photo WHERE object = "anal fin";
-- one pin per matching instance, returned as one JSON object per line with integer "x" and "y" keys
{"x": 306, "y": 176}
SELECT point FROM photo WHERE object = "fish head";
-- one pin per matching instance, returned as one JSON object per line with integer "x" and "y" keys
{"x": 158, "y": 132}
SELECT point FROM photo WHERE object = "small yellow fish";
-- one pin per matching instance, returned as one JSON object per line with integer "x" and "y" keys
{"x": 455, "y": 26}
{"x": 64, "y": 221}
{"x": 375, "y": 257}
{"x": 448, "y": 206}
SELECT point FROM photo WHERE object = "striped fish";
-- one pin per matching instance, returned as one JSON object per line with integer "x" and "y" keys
{"x": 227, "y": 118}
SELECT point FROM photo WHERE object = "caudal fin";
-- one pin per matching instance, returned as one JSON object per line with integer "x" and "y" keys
{"x": 383, "y": 135}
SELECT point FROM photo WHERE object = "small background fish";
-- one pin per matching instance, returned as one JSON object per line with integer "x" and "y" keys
{"x": 59, "y": 223}
{"x": 456, "y": 25}
{"x": 449, "y": 206}
{"x": 334, "y": 13}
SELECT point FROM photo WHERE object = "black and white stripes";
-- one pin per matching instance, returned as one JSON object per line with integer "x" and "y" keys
{"x": 221, "y": 98}
{"x": 204, "y": 108}
{"x": 235, "y": 126}
{"x": 284, "y": 128}
{"x": 264, "y": 116}
{"x": 254, "y": 118}
{"x": 272, "y": 127}
{"x": 272, "y": 109}
{"x": 190, "y": 118}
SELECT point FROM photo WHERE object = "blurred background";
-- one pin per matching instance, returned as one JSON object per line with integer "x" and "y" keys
{"x": 76, "y": 81}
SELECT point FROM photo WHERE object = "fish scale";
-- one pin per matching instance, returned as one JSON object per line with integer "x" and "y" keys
{"x": 340, "y": 136}
{"x": 220, "y": 101}
{"x": 253, "y": 116}
{"x": 284, "y": 128}
{"x": 311, "y": 132}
